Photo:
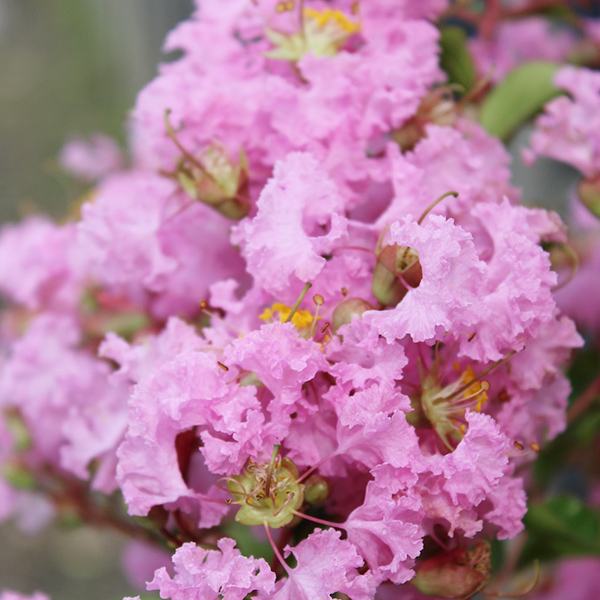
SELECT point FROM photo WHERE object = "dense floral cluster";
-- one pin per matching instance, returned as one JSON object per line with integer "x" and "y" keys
{"x": 312, "y": 307}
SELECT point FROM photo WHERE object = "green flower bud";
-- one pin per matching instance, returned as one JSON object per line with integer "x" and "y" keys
{"x": 346, "y": 310}
{"x": 317, "y": 489}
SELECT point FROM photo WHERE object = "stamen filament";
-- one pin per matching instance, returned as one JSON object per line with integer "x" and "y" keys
{"x": 529, "y": 588}
{"x": 315, "y": 467}
{"x": 189, "y": 157}
{"x": 275, "y": 549}
{"x": 467, "y": 385}
{"x": 287, "y": 501}
{"x": 204, "y": 304}
{"x": 574, "y": 260}
{"x": 319, "y": 521}
{"x": 295, "y": 307}
{"x": 434, "y": 204}
{"x": 318, "y": 300}
{"x": 270, "y": 469}
{"x": 225, "y": 489}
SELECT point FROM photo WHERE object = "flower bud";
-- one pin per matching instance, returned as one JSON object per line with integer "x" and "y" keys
{"x": 438, "y": 108}
{"x": 458, "y": 574}
{"x": 347, "y": 310}
{"x": 221, "y": 184}
{"x": 317, "y": 489}
{"x": 397, "y": 270}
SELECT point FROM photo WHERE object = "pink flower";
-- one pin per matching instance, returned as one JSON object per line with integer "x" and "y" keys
{"x": 447, "y": 297}
{"x": 41, "y": 265}
{"x": 566, "y": 130}
{"x": 465, "y": 159}
{"x": 91, "y": 159}
{"x": 386, "y": 529}
{"x": 201, "y": 573}
{"x": 298, "y": 221}
{"x": 326, "y": 565}
{"x": 520, "y": 41}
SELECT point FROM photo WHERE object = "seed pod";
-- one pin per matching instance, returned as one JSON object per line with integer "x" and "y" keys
{"x": 397, "y": 270}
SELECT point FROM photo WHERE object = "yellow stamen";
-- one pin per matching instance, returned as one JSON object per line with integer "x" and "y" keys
{"x": 301, "y": 318}
{"x": 330, "y": 18}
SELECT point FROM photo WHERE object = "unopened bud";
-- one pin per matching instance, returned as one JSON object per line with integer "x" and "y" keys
{"x": 347, "y": 310}
{"x": 397, "y": 270}
{"x": 317, "y": 489}
{"x": 456, "y": 574}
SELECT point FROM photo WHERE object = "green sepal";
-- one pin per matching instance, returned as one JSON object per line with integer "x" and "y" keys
{"x": 456, "y": 60}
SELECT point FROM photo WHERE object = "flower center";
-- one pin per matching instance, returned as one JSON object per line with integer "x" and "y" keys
{"x": 268, "y": 493}
{"x": 302, "y": 319}
{"x": 323, "y": 32}
{"x": 445, "y": 406}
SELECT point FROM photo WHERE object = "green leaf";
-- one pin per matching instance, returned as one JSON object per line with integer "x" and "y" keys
{"x": 562, "y": 526}
{"x": 456, "y": 59}
{"x": 518, "y": 97}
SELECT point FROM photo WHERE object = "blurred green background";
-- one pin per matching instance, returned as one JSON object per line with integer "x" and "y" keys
{"x": 67, "y": 66}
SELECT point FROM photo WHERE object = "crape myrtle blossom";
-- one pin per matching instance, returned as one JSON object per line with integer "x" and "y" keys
{"x": 343, "y": 99}
{"x": 520, "y": 41}
{"x": 567, "y": 132}
{"x": 90, "y": 160}
{"x": 312, "y": 315}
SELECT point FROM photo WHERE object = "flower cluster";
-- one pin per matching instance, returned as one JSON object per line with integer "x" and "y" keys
{"x": 312, "y": 313}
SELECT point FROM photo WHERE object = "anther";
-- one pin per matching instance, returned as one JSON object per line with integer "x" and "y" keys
{"x": 534, "y": 446}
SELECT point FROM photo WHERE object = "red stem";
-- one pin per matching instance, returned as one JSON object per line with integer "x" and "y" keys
{"x": 584, "y": 401}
